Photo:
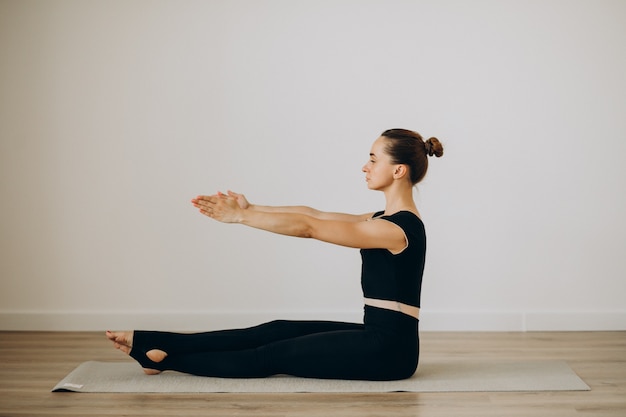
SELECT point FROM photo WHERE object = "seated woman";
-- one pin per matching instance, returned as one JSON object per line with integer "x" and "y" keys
{"x": 393, "y": 247}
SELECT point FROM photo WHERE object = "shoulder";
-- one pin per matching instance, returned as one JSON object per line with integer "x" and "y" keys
{"x": 405, "y": 219}
{"x": 403, "y": 214}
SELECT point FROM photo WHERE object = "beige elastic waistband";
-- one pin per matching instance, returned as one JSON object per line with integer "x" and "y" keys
{"x": 394, "y": 305}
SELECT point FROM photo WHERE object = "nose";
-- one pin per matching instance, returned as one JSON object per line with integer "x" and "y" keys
{"x": 364, "y": 169}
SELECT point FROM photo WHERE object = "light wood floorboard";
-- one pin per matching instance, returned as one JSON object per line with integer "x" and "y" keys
{"x": 31, "y": 363}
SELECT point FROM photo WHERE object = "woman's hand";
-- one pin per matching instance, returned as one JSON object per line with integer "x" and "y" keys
{"x": 221, "y": 207}
{"x": 241, "y": 199}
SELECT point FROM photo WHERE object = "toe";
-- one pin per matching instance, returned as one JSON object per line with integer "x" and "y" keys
{"x": 123, "y": 348}
{"x": 123, "y": 338}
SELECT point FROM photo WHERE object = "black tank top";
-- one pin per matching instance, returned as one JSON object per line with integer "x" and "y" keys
{"x": 386, "y": 276}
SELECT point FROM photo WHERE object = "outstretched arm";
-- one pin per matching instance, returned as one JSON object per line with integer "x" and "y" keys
{"x": 363, "y": 234}
{"x": 309, "y": 211}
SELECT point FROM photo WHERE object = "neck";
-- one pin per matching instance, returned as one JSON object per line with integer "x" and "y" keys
{"x": 398, "y": 199}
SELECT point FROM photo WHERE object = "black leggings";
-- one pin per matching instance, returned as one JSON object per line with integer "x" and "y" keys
{"x": 385, "y": 347}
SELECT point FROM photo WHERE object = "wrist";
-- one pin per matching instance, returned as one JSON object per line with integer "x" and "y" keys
{"x": 241, "y": 218}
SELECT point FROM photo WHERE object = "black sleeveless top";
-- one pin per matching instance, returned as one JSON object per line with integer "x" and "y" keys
{"x": 386, "y": 276}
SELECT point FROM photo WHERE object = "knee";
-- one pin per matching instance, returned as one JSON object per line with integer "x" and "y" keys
{"x": 273, "y": 330}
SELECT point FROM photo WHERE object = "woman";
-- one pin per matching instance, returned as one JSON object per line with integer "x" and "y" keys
{"x": 393, "y": 245}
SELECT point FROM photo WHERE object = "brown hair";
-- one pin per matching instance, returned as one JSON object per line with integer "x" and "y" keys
{"x": 408, "y": 148}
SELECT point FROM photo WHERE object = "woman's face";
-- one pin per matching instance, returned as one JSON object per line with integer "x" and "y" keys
{"x": 378, "y": 170}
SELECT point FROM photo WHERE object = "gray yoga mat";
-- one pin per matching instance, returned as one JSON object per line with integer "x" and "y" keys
{"x": 430, "y": 377}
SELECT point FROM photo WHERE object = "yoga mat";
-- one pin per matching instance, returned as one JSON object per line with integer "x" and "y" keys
{"x": 430, "y": 377}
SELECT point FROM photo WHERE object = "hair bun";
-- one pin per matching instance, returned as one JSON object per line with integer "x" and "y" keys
{"x": 433, "y": 147}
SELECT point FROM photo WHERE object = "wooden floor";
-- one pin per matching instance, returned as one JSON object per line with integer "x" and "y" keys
{"x": 32, "y": 363}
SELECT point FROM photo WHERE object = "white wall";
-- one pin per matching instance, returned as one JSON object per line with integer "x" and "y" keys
{"x": 113, "y": 114}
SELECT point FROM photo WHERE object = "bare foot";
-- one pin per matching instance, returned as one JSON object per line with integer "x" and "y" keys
{"x": 121, "y": 338}
{"x": 123, "y": 341}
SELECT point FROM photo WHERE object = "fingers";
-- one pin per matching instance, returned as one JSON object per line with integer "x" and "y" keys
{"x": 212, "y": 198}
{"x": 241, "y": 199}
{"x": 214, "y": 206}
{"x": 205, "y": 204}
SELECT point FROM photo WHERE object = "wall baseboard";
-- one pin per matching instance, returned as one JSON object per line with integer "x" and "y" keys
{"x": 523, "y": 321}
{"x": 198, "y": 321}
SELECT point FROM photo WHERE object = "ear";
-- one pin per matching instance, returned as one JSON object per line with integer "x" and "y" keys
{"x": 400, "y": 172}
